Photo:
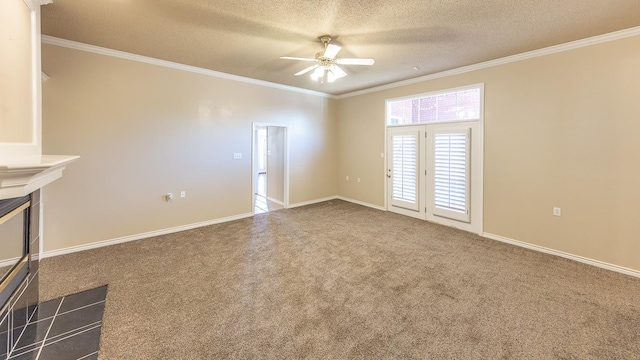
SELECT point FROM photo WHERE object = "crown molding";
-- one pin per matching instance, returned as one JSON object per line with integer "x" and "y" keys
{"x": 617, "y": 35}
{"x": 169, "y": 64}
{"x": 31, "y": 4}
{"x": 35, "y": 4}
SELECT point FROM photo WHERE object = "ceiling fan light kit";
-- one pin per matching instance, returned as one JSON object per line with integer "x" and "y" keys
{"x": 326, "y": 67}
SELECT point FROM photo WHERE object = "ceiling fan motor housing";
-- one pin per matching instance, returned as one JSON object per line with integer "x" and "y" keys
{"x": 326, "y": 62}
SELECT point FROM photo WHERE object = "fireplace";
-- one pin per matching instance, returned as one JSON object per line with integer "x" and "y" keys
{"x": 14, "y": 245}
{"x": 24, "y": 170}
{"x": 19, "y": 264}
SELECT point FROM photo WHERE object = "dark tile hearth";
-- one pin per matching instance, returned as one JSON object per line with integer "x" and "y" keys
{"x": 66, "y": 328}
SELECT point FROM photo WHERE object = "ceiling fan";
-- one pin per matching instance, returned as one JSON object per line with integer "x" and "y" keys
{"x": 326, "y": 64}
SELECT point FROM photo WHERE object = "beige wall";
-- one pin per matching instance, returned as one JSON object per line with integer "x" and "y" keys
{"x": 16, "y": 104}
{"x": 144, "y": 130}
{"x": 560, "y": 130}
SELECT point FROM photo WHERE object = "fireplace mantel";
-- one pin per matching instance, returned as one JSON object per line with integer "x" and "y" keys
{"x": 23, "y": 176}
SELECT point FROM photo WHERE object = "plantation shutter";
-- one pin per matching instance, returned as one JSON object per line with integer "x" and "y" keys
{"x": 404, "y": 169}
{"x": 451, "y": 174}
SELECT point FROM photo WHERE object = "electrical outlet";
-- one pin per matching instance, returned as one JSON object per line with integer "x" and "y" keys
{"x": 183, "y": 194}
{"x": 358, "y": 179}
{"x": 382, "y": 155}
{"x": 347, "y": 178}
{"x": 557, "y": 211}
{"x": 237, "y": 156}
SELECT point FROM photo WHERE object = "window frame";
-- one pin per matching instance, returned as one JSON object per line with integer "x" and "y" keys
{"x": 476, "y": 177}
{"x": 479, "y": 86}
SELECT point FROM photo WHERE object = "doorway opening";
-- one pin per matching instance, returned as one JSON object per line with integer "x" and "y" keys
{"x": 270, "y": 173}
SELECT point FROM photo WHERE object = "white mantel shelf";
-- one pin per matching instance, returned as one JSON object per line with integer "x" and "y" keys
{"x": 21, "y": 177}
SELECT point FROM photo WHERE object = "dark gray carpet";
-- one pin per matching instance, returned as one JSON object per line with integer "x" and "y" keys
{"x": 340, "y": 281}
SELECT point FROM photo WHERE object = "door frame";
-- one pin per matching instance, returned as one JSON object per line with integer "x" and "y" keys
{"x": 254, "y": 160}
{"x": 476, "y": 176}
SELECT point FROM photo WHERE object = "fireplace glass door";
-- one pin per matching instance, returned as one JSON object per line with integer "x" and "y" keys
{"x": 14, "y": 235}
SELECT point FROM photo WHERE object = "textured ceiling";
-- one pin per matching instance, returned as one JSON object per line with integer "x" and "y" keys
{"x": 247, "y": 38}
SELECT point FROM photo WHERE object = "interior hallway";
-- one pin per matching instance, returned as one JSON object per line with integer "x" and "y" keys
{"x": 263, "y": 205}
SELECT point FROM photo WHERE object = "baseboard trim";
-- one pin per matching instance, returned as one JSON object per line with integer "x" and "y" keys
{"x": 140, "y": 236}
{"x": 377, "y": 207}
{"x": 275, "y": 201}
{"x": 311, "y": 202}
{"x": 597, "y": 263}
{"x": 9, "y": 262}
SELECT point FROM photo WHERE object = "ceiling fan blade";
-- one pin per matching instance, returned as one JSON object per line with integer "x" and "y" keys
{"x": 296, "y": 58}
{"x": 337, "y": 71}
{"x": 331, "y": 51}
{"x": 354, "y": 61}
{"x": 304, "y": 71}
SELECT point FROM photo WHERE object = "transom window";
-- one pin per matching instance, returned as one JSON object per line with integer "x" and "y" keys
{"x": 461, "y": 104}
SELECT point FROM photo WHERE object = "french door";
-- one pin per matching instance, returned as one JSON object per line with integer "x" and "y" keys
{"x": 450, "y": 172}
{"x": 404, "y": 166}
{"x": 429, "y": 173}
